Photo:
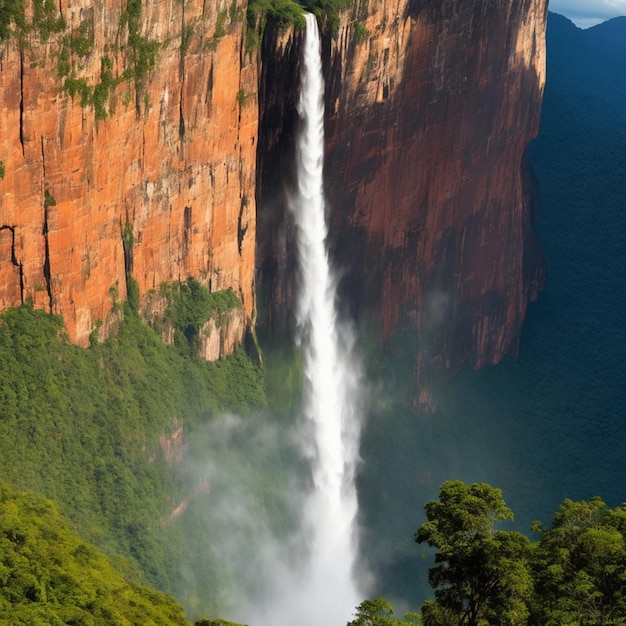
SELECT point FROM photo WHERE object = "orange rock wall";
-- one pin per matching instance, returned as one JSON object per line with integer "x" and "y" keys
{"x": 174, "y": 159}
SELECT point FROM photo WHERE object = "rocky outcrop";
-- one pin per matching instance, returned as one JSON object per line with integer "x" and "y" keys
{"x": 430, "y": 107}
{"x": 148, "y": 170}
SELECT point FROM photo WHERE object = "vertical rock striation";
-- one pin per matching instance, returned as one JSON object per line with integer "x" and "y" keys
{"x": 431, "y": 106}
{"x": 148, "y": 170}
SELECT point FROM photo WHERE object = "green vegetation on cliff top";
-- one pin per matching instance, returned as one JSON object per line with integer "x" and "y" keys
{"x": 285, "y": 13}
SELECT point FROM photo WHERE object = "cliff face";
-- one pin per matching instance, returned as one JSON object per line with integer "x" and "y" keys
{"x": 149, "y": 170}
{"x": 430, "y": 106}
{"x": 145, "y": 163}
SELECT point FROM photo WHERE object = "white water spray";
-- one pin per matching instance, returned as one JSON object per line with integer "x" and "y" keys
{"x": 331, "y": 375}
{"x": 322, "y": 591}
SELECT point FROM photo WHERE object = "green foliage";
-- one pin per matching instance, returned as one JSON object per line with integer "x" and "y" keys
{"x": 76, "y": 44}
{"x": 78, "y": 87}
{"x": 48, "y": 200}
{"x": 220, "y": 28}
{"x": 360, "y": 32}
{"x": 132, "y": 294}
{"x": 143, "y": 57}
{"x": 81, "y": 41}
{"x": 128, "y": 237}
{"x": 44, "y": 20}
{"x": 190, "y": 305}
{"x": 11, "y": 13}
{"x": 48, "y": 575}
{"x": 96, "y": 95}
{"x": 80, "y": 44}
{"x": 186, "y": 37}
{"x": 131, "y": 16}
{"x": 580, "y": 565}
{"x": 64, "y": 66}
{"x": 220, "y": 24}
{"x": 574, "y": 574}
{"x": 283, "y": 13}
{"x": 379, "y": 612}
{"x": 103, "y": 87}
{"x": 85, "y": 427}
{"x": 235, "y": 13}
{"x": 462, "y": 514}
{"x": 2, "y": 170}
{"x": 480, "y": 573}
{"x": 328, "y": 12}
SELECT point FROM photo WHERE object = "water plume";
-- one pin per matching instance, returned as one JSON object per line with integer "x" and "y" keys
{"x": 320, "y": 590}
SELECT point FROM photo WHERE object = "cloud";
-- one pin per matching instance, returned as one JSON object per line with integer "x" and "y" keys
{"x": 585, "y": 13}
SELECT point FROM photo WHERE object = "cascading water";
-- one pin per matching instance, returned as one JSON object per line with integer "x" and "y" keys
{"x": 322, "y": 591}
{"x": 331, "y": 374}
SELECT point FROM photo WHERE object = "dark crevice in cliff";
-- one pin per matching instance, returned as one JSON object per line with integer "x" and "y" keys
{"x": 22, "y": 100}
{"x": 185, "y": 34}
{"x": 46, "y": 262}
{"x": 276, "y": 255}
{"x": 209, "y": 89}
{"x": 181, "y": 121}
{"x": 14, "y": 260}
{"x": 48, "y": 202}
{"x": 186, "y": 231}
{"x": 241, "y": 227}
{"x": 128, "y": 240}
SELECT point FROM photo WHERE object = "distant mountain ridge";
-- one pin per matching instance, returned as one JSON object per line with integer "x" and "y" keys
{"x": 611, "y": 34}
{"x": 587, "y": 63}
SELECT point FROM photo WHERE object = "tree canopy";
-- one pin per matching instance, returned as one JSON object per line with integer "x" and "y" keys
{"x": 580, "y": 565}
{"x": 574, "y": 574}
{"x": 480, "y": 573}
{"x": 379, "y": 612}
{"x": 49, "y": 576}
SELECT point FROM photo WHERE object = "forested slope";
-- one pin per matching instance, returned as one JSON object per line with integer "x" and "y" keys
{"x": 50, "y": 577}
{"x": 109, "y": 433}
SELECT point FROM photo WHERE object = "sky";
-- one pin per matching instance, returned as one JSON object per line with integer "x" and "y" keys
{"x": 586, "y": 13}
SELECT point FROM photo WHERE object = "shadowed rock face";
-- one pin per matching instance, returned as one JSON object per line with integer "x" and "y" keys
{"x": 163, "y": 187}
{"x": 429, "y": 112}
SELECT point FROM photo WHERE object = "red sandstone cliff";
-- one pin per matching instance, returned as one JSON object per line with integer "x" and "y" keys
{"x": 168, "y": 173}
{"x": 429, "y": 112}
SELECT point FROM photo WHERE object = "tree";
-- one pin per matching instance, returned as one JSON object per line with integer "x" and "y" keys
{"x": 481, "y": 574}
{"x": 580, "y": 565}
{"x": 379, "y": 612}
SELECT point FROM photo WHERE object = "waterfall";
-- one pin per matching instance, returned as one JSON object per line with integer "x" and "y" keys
{"x": 331, "y": 376}
{"x": 323, "y": 591}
